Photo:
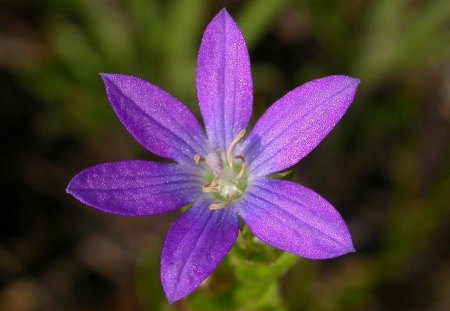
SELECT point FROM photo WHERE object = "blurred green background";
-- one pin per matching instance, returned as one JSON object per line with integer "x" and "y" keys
{"x": 386, "y": 166}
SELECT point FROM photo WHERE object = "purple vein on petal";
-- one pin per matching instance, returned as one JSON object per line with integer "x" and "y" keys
{"x": 155, "y": 118}
{"x": 295, "y": 124}
{"x": 273, "y": 122}
{"x": 224, "y": 82}
{"x": 165, "y": 128}
{"x": 195, "y": 245}
{"x": 288, "y": 215}
{"x": 136, "y": 187}
{"x": 295, "y": 219}
{"x": 199, "y": 235}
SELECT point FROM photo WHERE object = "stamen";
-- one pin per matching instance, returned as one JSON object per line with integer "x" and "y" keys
{"x": 198, "y": 159}
{"x": 232, "y": 145}
{"x": 206, "y": 189}
{"x": 211, "y": 187}
{"x": 243, "y": 167}
{"x": 217, "y": 206}
{"x": 215, "y": 182}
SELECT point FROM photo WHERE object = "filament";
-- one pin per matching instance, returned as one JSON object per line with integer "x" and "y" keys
{"x": 243, "y": 167}
{"x": 232, "y": 145}
{"x": 217, "y": 206}
{"x": 211, "y": 187}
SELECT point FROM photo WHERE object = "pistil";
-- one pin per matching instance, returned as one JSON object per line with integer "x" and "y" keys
{"x": 228, "y": 183}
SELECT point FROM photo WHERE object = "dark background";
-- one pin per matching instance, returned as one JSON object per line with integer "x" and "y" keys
{"x": 385, "y": 166}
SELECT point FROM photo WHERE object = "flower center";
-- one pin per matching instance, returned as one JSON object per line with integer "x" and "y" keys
{"x": 226, "y": 178}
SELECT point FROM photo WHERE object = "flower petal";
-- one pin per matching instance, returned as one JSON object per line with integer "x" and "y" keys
{"x": 157, "y": 120}
{"x": 134, "y": 188}
{"x": 297, "y": 123}
{"x": 295, "y": 219}
{"x": 195, "y": 245}
{"x": 224, "y": 81}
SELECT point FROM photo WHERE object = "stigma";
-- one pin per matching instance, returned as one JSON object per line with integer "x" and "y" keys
{"x": 226, "y": 175}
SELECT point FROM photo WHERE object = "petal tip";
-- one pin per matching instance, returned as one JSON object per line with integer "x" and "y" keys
{"x": 350, "y": 83}
{"x": 223, "y": 13}
{"x": 345, "y": 250}
{"x": 104, "y": 74}
{"x": 348, "y": 248}
{"x": 73, "y": 190}
{"x": 355, "y": 81}
{"x": 173, "y": 293}
{"x": 348, "y": 79}
{"x": 116, "y": 78}
{"x": 70, "y": 188}
{"x": 108, "y": 77}
{"x": 172, "y": 298}
{"x": 343, "y": 79}
{"x": 342, "y": 249}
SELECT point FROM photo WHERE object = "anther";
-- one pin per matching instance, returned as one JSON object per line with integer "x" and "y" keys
{"x": 232, "y": 145}
{"x": 243, "y": 167}
{"x": 217, "y": 206}
{"x": 211, "y": 187}
{"x": 206, "y": 189}
{"x": 198, "y": 159}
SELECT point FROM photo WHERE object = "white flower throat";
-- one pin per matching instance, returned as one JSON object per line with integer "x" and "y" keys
{"x": 226, "y": 177}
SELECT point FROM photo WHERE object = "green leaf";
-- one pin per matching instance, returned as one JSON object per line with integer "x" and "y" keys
{"x": 256, "y": 262}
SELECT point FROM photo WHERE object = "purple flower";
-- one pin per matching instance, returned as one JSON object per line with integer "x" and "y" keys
{"x": 223, "y": 175}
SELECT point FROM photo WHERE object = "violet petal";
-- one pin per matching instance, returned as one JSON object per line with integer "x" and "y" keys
{"x": 297, "y": 123}
{"x": 135, "y": 188}
{"x": 295, "y": 219}
{"x": 224, "y": 81}
{"x": 155, "y": 118}
{"x": 195, "y": 245}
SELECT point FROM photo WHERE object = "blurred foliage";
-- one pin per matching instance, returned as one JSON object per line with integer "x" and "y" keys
{"x": 386, "y": 167}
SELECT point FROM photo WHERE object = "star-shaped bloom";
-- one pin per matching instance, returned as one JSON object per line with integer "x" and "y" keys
{"x": 222, "y": 174}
